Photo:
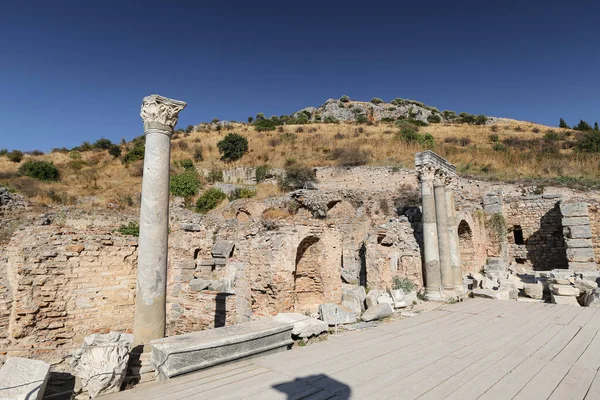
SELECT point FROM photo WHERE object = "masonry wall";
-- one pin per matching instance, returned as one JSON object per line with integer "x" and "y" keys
{"x": 594, "y": 210}
{"x": 540, "y": 220}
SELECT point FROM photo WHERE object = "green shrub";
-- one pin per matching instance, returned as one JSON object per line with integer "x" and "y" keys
{"x": 242, "y": 193}
{"x": 209, "y": 200}
{"x": 387, "y": 120}
{"x": 198, "y": 154}
{"x": 185, "y": 184}
{"x": 288, "y": 137}
{"x": 350, "y": 157}
{"x": 589, "y": 142}
{"x": 398, "y": 101}
{"x": 296, "y": 175}
{"x": 41, "y": 170}
{"x": 232, "y": 147}
{"x": 563, "y": 124}
{"x": 499, "y": 147}
{"x": 362, "y": 119}
{"x": 131, "y": 229}
{"x": 114, "y": 151}
{"x": 15, "y": 156}
{"x": 262, "y": 173}
{"x": 3, "y": 152}
{"x": 187, "y": 164}
{"x": 449, "y": 115}
{"x": 102, "y": 144}
{"x": 262, "y": 125}
{"x": 215, "y": 175}
{"x": 136, "y": 153}
{"x": 551, "y": 136}
{"x": 481, "y": 119}
{"x": 434, "y": 118}
{"x": 410, "y": 135}
{"x": 494, "y": 137}
{"x": 331, "y": 120}
{"x": 344, "y": 99}
{"x": 376, "y": 100}
{"x": 400, "y": 282}
{"x": 583, "y": 126}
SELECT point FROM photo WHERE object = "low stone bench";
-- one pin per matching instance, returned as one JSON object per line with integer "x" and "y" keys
{"x": 181, "y": 354}
{"x": 23, "y": 379}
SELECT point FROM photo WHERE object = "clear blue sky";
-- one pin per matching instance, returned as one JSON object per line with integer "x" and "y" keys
{"x": 77, "y": 70}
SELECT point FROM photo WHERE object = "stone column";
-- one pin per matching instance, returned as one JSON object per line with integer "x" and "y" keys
{"x": 160, "y": 116}
{"x": 453, "y": 234}
{"x": 430, "y": 235}
{"x": 441, "y": 215}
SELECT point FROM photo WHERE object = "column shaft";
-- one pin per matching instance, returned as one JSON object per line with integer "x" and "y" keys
{"x": 443, "y": 237}
{"x": 453, "y": 236}
{"x": 430, "y": 240}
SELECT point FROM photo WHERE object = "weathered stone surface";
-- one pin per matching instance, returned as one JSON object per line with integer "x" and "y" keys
{"x": 353, "y": 305}
{"x": 304, "y": 326}
{"x": 378, "y": 312}
{"x": 570, "y": 300}
{"x": 101, "y": 363}
{"x": 571, "y": 221}
{"x": 578, "y": 243}
{"x": 580, "y": 255}
{"x": 354, "y": 299}
{"x": 534, "y": 290}
{"x": 23, "y": 379}
{"x": 399, "y": 298}
{"x": 492, "y": 294}
{"x": 198, "y": 284}
{"x": 181, "y": 354}
{"x": 573, "y": 209}
{"x": 578, "y": 232}
{"x": 385, "y": 298}
{"x": 222, "y": 249}
{"x": 371, "y": 299}
{"x": 583, "y": 266}
{"x": 190, "y": 227}
{"x": 333, "y": 314}
{"x": 489, "y": 284}
{"x": 564, "y": 290}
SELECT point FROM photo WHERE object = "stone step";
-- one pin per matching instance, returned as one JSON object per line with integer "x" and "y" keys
{"x": 23, "y": 379}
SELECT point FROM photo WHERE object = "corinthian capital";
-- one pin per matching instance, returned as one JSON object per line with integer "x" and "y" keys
{"x": 426, "y": 172}
{"x": 160, "y": 112}
{"x": 440, "y": 178}
{"x": 451, "y": 181}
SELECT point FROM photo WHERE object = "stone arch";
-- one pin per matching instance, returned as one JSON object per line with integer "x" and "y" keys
{"x": 466, "y": 245}
{"x": 243, "y": 216}
{"x": 308, "y": 279}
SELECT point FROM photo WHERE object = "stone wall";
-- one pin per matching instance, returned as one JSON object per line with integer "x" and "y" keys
{"x": 540, "y": 220}
{"x": 594, "y": 211}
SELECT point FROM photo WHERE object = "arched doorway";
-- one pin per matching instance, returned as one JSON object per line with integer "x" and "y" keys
{"x": 466, "y": 246}
{"x": 308, "y": 282}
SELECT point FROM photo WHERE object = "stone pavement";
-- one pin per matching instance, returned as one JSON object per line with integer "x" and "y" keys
{"x": 479, "y": 348}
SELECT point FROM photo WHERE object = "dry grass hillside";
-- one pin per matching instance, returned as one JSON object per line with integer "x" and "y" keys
{"x": 507, "y": 150}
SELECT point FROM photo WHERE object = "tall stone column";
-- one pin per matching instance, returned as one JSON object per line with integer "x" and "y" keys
{"x": 441, "y": 214}
{"x": 430, "y": 234}
{"x": 453, "y": 234}
{"x": 160, "y": 116}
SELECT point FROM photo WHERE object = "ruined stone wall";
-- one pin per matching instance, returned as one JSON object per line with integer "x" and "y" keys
{"x": 540, "y": 219}
{"x": 594, "y": 210}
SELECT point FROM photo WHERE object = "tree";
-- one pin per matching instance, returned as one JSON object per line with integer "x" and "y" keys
{"x": 563, "y": 124}
{"x": 344, "y": 99}
{"x": 596, "y": 126}
{"x": 15, "y": 156}
{"x": 296, "y": 176}
{"x": 41, "y": 170}
{"x": 583, "y": 126}
{"x": 189, "y": 129}
{"x": 250, "y": 119}
{"x": 233, "y": 147}
{"x": 209, "y": 200}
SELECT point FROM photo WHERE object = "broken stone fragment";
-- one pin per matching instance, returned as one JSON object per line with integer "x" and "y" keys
{"x": 304, "y": 327}
{"x": 333, "y": 314}
{"x": 378, "y": 312}
{"x": 190, "y": 227}
{"x": 222, "y": 249}
{"x": 564, "y": 290}
{"x": 371, "y": 299}
{"x": 570, "y": 300}
{"x": 501, "y": 294}
{"x": 199, "y": 284}
{"x": 398, "y": 298}
{"x": 385, "y": 298}
{"x": 534, "y": 290}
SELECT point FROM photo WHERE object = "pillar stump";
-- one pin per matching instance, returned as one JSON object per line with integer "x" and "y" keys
{"x": 160, "y": 117}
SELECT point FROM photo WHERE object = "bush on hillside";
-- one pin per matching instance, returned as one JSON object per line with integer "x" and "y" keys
{"x": 407, "y": 197}
{"x": 262, "y": 173}
{"x": 137, "y": 151}
{"x": 40, "y": 170}
{"x": 449, "y": 115}
{"x": 131, "y": 229}
{"x": 198, "y": 154}
{"x": 3, "y": 152}
{"x": 350, "y": 157}
{"x": 232, "y": 147}
{"x": 15, "y": 156}
{"x": 187, "y": 164}
{"x": 362, "y": 119}
{"x": 410, "y": 135}
{"x": 376, "y": 100}
{"x": 344, "y": 99}
{"x": 242, "y": 193}
{"x": 589, "y": 142}
{"x": 115, "y": 151}
{"x": 296, "y": 175}
{"x": 209, "y": 200}
{"x": 434, "y": 118}
{"x": 563, "y": 124}
{"x": 185, "y": 184}
{"x": 583, "y": 126}
{"x": 494, "y": 137}
{"x": 215, "y": 175}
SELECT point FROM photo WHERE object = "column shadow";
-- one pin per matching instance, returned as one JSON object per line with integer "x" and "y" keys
{"x": 320, "y": 384}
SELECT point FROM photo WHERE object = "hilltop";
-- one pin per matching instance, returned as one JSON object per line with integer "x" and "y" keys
{"x": 343, "y": 133}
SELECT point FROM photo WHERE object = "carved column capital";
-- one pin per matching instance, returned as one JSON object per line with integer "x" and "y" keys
{"x": 160, "y": 113}
{"x": 440, "y": 178}
{"x": 426, "y": 172}
{"x": 451, "y": 181}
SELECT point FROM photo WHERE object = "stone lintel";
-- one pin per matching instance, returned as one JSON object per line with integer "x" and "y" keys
{"x": 428, "y": 157}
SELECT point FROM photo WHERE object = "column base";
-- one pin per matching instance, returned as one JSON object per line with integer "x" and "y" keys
{"x": 139, "y": 369}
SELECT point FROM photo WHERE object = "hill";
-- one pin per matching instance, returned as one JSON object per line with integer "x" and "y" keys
{"x": 497, "y": 149}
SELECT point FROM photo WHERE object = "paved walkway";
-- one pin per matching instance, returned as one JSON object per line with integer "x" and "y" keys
{"x": 478, "y": 349}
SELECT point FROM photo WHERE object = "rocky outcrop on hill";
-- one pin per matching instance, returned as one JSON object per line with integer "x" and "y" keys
{"x": 366, "y": 111}
{"x": 10, "y": 200}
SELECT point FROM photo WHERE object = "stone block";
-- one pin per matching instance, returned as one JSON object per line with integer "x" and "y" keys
{"x": 372, "y": 296}
{"x": 23, "y": 379}
{"x": 501, "y": 294}
{"x": 207, "y": 262}
{"x": 190, "y": 227}
{"x": 222, "y": 249}
{"x": 580, "y": 255}
{"x": 333, "y": 314}
{"x": 304, "y": 326}
{"x": 578, "y": 243}
{"x": 199, "y": 284}
{"x": 385, "y": 298}
{"x": 398, "y": 298}
{"x": 572, "y": 221}
{"x": 181, "y": 354}
{"x": 489, "y": 284}
{"x": 578, "y": 232}
{"x": 353, "y": 305}
{"x": 534, "y": 290}
{"x": 101, "y": 363}
{"x": 583, "y": 266}
{"x": 379, "y": 311}
{"x": 220, "y": 262}
{"x": 570, "y": 300}
{"x": 561, "y": 273}
{"x": 574, "y": 209}
{"x": 564, "y": 290}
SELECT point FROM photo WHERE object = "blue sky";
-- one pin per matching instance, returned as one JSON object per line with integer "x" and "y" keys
{"x": 77, "y": 70}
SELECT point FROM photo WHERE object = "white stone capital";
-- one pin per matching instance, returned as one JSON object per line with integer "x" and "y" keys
{"x": 160, "y": 113}
{"x": 451, "y": 182}
{"x": 440, "y": 178}
{"x": 426, "y": 172}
